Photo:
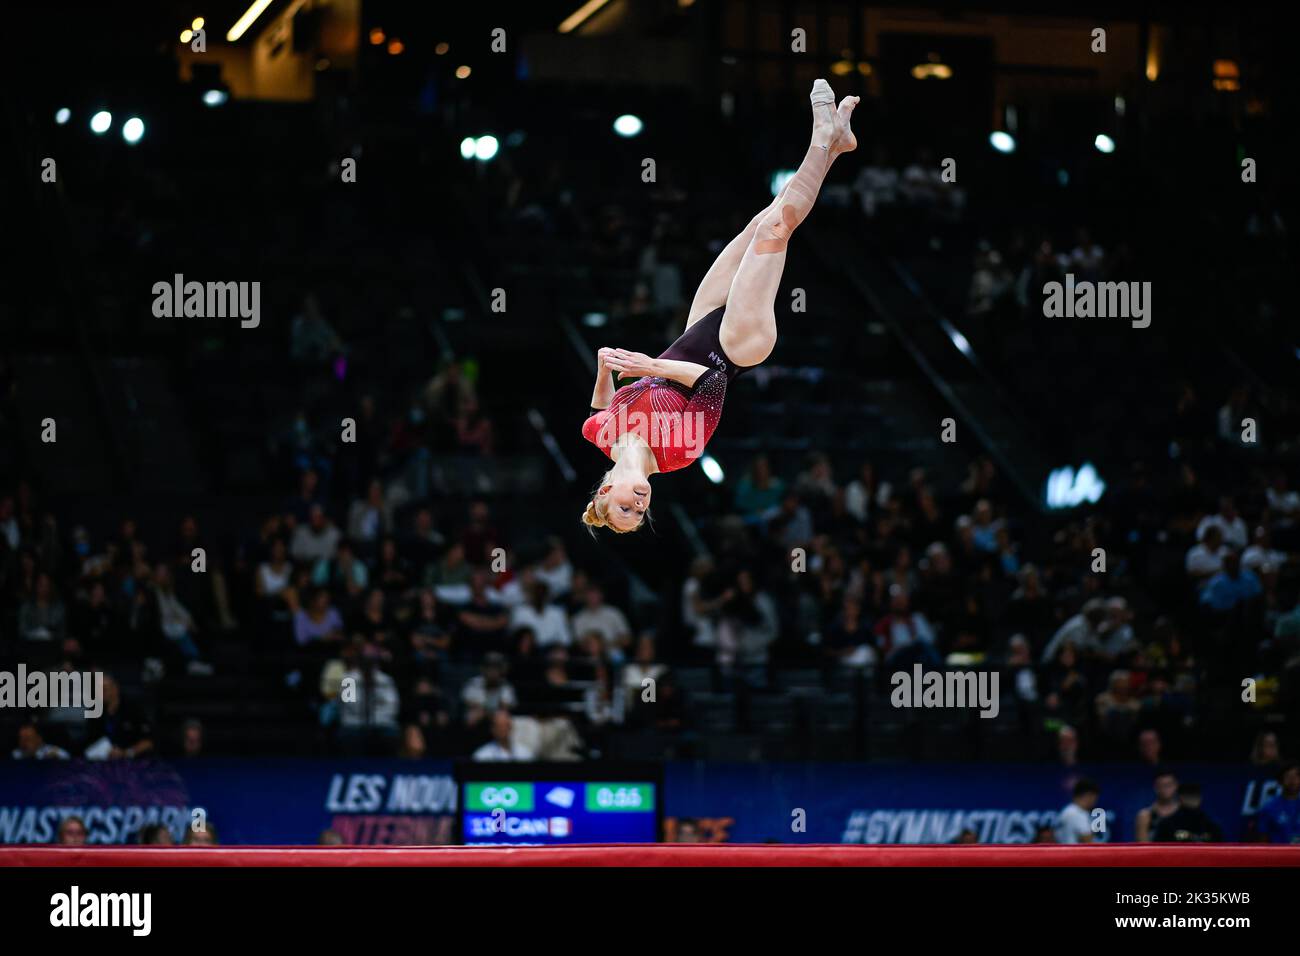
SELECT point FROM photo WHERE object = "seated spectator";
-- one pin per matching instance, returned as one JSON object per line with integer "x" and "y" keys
{"x": 1116, "y": 707}
{"x": 1205, "y": 558}
{"x": 482, "y": 622}
{"x": 1082, "y": 631}
{"x": 1232, "y": 527}
{"x": 608, "y": 621}
{"x": 121, "y": 731}
{"x": 174, "y": 619}
{"x": 42, "y": 617}
{"x": 392, "y": 573}
{"x": 1278, "y": 820}
{"x": 556, "y": 570}
{"x": 758, "y": 492}
{"x": 1166, "y": 802}
{"x": 72, "y": 832}
{"x": 747, "y": 628}
{"x": 275, "y": 573}
{"x": 546, "y": 620}
{"x": 32, "y": 745}
{"x": 502, "y": 746}
{"x": 156, "y": 835}
{"x": 1231, "y": 588}
{"x": 489, "y": 691}
{"x": 1189, "y": 823}
{"x": 318, "y": 622}
{"x": 368, "y": 716}
{"x": 370, "y": 519}
{"x": 316, "y": 540}
{"x": 1261, "y": 557}
{"x": 903, "y": 636}
{"x": 849, "y": 641}
{"x": 345, "y": 575}
{"x": 430, "y": 644}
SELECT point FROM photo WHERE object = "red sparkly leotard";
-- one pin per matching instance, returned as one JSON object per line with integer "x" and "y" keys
{"x": 675, "y": 420}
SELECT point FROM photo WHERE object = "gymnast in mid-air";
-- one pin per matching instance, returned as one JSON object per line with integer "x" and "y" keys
{"x": 662, "y": 421}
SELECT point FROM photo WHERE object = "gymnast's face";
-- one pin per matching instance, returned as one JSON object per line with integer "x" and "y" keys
{"x": 628, "y": 501}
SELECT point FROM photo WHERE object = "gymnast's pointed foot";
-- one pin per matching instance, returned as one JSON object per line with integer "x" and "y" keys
{"x": 831, "y": 129}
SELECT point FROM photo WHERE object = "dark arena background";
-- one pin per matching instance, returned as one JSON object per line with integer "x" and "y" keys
{"x": 987, "y": 581}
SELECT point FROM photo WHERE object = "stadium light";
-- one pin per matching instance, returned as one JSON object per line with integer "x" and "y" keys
{"x": 580, "y": 16}
{"x": 1003, "y": 142}
{"x": 486, "y": 148}
{"x": 467, "y": 147}
{"x": 628, "y": 125}
{"x": 1067, "y": 488}
{"x": 215, "y": 97}
{"x": 1104, "y": 143}
{"x": 100, "y": 122}
{"x": 712, "y": 470}
{"x": 63, "y": 115}
{"x": 133, "y": 130}
{"x": 243, "y": 23}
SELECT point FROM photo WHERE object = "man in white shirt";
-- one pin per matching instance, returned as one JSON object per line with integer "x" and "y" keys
{"x": 1074, "y": 823}
{"x": 1261, "y": 557}
{"x": 606, "y": 620}
{"x": 1233, "y": 528}
{"x": 1205, "y": 559}
{"x": 1082, "y": 630}
{"x": 315, "y": 541}
{"x": 501, "y": 748}
{"x": 547, "y": 621}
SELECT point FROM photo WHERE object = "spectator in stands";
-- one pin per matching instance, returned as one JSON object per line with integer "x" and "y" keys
{"x": 1189, "y": 823}
{"x": 318, "y": 622}
{"x": 1278, "y": 820}
{"x": 275, "y": 573}
{"x": 700, "y": 606}
{"x": 1150, "y": 747}
{"x": 556, "y": 569}
{"x": 687, "y": 831}
{"x": 429, "y": 643}
{"x": 371, "y": 519}
{"x": 1166, "y": 802}
{"x": 452, "y": 571}
{"x": 1116, "y": 707}
{"x": 316, "y": 540}
{"x": 1230, "y": 524}
{"x": 42, "y": 617}
{"x": 903, "y": 636}
{"x": 1080, "y": 632}
{"x": 72, "y": 832}
{"x": 32, "y": 745}
{"x": 156, "y": 835}
{"x": 175, "y": 621}
{"x": 747, "y": 627}
{"x": 792, "y": 525}
{"x": 308, "y": 495}
{"x": 392, "y": 573}
{"x": 480, "y": 536}
{"x": 368, "y": 716}
{"x": 1074, "y": 824}
{"x": 546, "y": 620}
{"x": 865, "y": 493}
{"x": 482, "y": 622}
{"x": 606, "y": 620}
{"x": 503, "y": 746}
{"x": 422, "y": 545}
{"x": 488, "y": 691}
{"x": 346, "y": 575}
{"x": 759, "y": 491}
{"x": 121, "y": 731}
{"x": 1115, "y": 638}
{"x": 1067, "y": 746}
{"x": 984, "y": 527}
{"x": 205, "y": 835}
{"x": 192, "y": 738}
{"x": 849, "y": 641}
{"x": 474, "y": 434}
{"x": 1230, "y": 588}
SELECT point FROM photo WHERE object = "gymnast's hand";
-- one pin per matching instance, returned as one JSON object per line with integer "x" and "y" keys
{"x": 630, "y": 364}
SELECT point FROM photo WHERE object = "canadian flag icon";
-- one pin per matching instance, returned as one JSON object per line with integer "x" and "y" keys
{"x": 559, "y": 826}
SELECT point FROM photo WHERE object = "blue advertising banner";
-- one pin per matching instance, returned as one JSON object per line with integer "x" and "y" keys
{"x": 414, "y": 802}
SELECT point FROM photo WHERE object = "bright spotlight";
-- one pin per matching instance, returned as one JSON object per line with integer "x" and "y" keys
{"x": 628, "y": 125}
{"x": 63, "y": 115}
{"x": 197, "y": 23}
{"x": 712, "y": 470}
{"x": 468, "y": 145}
{"x": 1104, "y": 143}
{"x": 486, "y": 148}
{"x": 215, "y": 97}
{"x": 100, "y": 122}
{"x": 133, "y": 130}
{"x": 1002, "y": 142}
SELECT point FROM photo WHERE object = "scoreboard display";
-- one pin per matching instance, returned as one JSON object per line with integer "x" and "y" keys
{"x": 555, "y": 805}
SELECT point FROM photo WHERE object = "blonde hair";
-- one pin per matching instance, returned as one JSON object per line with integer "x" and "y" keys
{"x": 596, "y": 514}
